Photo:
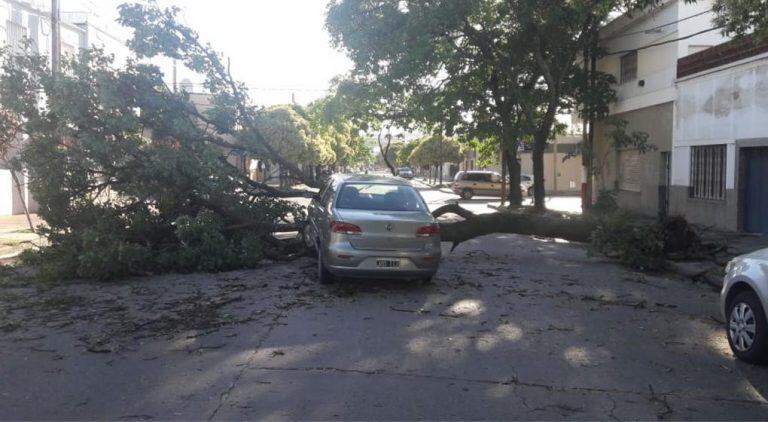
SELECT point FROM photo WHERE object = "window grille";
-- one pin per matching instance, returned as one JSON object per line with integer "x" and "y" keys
{"x": 708, "y": 172}
{"x": 628, "y": 67}
{"x": 15, "y": 34}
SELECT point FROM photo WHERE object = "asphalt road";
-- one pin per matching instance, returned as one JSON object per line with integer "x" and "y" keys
{"x": 512, "y": 328}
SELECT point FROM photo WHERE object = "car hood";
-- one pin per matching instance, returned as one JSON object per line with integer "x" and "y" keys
{"x": 760, "y": 254}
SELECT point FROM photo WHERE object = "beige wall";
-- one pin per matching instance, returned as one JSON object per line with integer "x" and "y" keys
{"x": 656, "y": 121}
{"x": 559, "y": 176}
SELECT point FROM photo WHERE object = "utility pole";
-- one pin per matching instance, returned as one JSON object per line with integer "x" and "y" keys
{"x": 55, "y": 38}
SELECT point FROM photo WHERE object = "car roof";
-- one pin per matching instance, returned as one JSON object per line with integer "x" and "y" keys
{"x": 371, "y": 178}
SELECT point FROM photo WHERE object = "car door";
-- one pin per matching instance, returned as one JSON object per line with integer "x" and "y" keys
{"x": 319, "y": 212}
{"x": 474, "y": 181}
{"x": 484, "y": 185}
{"x": 494, "y": 184}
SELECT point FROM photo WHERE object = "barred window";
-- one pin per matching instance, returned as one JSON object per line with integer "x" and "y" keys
{"x": 15, "y": 34}
{"x": 708, "y": 172}
{"x": 630, "y": 170}
{"x": 628, "y": 67}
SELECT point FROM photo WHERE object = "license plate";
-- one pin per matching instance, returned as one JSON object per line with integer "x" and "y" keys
{"x": 387, "y": 263}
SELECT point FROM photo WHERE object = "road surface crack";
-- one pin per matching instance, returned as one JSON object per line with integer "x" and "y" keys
{"x": 661, "y": 399}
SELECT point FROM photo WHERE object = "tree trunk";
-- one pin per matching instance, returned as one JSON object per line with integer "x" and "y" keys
{"x": 538, "y": 172}
{"x": 509, "y": 142}
{"x": 474, "y": 225}
{"x": 17, "y": 183}
{"x": 385, "y": 151}
{"x": 512, "y": 163}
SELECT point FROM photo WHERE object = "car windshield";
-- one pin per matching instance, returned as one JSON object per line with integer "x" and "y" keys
{"x": 379, "y": 197}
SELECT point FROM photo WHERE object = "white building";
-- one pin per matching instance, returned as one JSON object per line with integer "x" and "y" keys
{"x": 20, "y": 19}
{"x": 643, "y": 51}
{"x": 720, "y": 147}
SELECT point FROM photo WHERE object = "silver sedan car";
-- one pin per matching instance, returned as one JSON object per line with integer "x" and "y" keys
{"x": 372, "y": 227}
{"x": 744, "y": 301}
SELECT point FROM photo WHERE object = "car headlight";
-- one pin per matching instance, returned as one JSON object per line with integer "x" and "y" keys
{"x": 729, "y": 266}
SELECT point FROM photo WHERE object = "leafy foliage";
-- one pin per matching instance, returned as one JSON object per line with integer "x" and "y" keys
{"x": 436, "y": 150}
{"x": 633, "y": 242}
{"x": 291, "y": 136}
{"x": 128, "y": 181}
{"x": 742, "y": 17}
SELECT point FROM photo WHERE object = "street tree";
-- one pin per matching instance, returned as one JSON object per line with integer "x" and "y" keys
{"x": 742, "y": 17}
{"x": 434, "y": 151}
{"x": 345, "y": 138}
{"x": 157, "y": 33}
{"x": 439, "y": 61}
{"x": 404, "y": 155}
{"x": 128, "y": 178}
{"x": 291, "y": 136}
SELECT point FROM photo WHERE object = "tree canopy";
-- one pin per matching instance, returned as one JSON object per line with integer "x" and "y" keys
{"x": 292, "y": 137}
{"x": 436, "y": 150}
{"x": 489, "y": 69}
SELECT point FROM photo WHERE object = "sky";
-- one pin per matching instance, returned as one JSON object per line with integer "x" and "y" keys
{"x": 276, "y": 47}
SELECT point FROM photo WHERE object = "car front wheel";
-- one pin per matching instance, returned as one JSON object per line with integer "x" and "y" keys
{"x": 467, "y": 193}
{"x": 747, "y": 328}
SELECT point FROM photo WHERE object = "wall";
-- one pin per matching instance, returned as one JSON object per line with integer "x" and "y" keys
{"x": 656, "y": 65}
{"x": 656, "y": 121}
{"x": 559, "y": 176}
{"x": 6, "y": 192}
{"x": 726, "y": 105}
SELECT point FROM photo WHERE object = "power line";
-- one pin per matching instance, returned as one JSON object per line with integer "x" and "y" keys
{"x": 632, "y": 50}
{"x": 645, "y": 31}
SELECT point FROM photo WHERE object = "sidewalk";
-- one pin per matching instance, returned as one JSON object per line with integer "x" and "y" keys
{"x": 16, "y": 236}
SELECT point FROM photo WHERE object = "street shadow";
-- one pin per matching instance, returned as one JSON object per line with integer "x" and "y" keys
{"x": 513, "y": 327}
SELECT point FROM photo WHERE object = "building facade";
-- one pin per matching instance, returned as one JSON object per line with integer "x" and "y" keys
{"x": 643, "y": 51}
{"x": 720, "y": 147}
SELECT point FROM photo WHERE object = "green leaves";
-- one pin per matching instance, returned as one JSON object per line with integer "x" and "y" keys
{"x": 127, "y": 178}
{"x": 436, "y": 150}
{"x": 742, "y": 17}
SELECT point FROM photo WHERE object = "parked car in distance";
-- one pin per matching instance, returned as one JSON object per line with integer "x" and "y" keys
{"x": 743, "y": 301}
{"x": 405, "y": 173}
{"x": 526, "y": 184}
{"x": 484, "y": 183}
{"x": 372, "y": 227}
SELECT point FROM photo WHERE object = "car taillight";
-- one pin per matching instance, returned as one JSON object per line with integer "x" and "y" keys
{"x": 427, "y": 231}
{"x": 346, "y": 228}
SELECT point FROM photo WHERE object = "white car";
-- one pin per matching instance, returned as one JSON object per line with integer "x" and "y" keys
{"x": 743, "y": 301}
{"x": 526, "y": 184}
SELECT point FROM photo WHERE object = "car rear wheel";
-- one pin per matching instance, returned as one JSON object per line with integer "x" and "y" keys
{"x": 323, "y": 275}
{"x": 467, "y": 193}
{"x": 747, "y": 329}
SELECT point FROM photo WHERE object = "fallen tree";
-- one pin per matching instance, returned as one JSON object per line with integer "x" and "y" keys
{"x": 521, "y": 222}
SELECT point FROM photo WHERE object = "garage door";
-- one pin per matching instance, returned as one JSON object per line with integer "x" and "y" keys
{"x": 756, "y": 190}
